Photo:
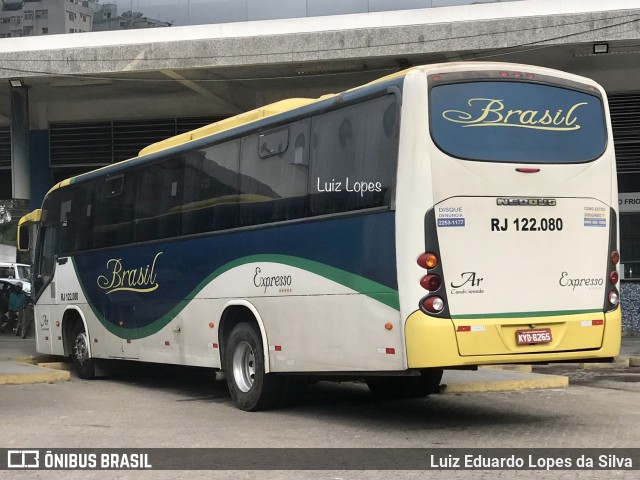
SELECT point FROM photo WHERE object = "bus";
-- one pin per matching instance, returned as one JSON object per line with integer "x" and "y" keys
{"x": 443, "y": 217}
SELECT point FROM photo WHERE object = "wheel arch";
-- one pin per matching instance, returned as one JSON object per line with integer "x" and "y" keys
{"x": 236, "y": 312}
{"x": 71, "y": 317}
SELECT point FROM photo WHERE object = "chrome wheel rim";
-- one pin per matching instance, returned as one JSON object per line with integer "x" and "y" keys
{"x": 244, "y": 366}
{"x": 81, "y": 349}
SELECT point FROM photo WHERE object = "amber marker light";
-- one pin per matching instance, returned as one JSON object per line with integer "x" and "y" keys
{"x": 428, "y": 260}
{"x": 388, "y": 326}
{"x": 211, "y": 325}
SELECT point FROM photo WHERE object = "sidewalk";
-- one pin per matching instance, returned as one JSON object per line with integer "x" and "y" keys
{"x": 18, "y": 360}
{"x": 15, "y": 369}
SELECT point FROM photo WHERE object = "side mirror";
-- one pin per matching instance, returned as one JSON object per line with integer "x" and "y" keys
{"x": 23, "y": 237}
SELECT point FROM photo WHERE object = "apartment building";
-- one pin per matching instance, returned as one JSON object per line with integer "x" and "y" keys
{"x": 45, "y": 17}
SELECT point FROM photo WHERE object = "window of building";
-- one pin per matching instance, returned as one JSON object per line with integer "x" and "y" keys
{"x": 6, "y": 20}
{"x": 45, "y": 30}
{"x": 28, "y": 14}
{"x": 72, "y": 16}
{"x": 27, "y": 31}
{"x": 42, "y": 13}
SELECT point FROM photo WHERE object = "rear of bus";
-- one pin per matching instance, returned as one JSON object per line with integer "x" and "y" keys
{"x": 506, "y": 217}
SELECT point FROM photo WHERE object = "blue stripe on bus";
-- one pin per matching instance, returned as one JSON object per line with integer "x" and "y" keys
{"x": 134, "y": 286}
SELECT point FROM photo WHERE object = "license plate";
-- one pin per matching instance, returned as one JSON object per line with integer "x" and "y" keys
{"x": 535, "y": 336}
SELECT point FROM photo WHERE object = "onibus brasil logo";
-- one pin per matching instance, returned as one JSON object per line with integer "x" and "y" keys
{"x": 491, "y": 112}
{"x": 119, "y": 279}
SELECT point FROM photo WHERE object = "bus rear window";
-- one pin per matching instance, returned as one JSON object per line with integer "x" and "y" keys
{"x": 505, "y": 121}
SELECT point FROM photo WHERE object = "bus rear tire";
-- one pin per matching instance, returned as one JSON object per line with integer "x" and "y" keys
{"x": 251, "y": 388}
{"x": 426, "y": 383}
{"x": 83, "y": 364}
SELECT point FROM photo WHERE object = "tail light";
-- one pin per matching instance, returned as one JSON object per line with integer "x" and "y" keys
{"x": 428, "y": 260}
{"x": 615, "y": 257}
{"x": 612, "y": 294}
{"x": 431, "y": 282}
{"x": 614, "y": 277}
{"x": 434, "y": 303}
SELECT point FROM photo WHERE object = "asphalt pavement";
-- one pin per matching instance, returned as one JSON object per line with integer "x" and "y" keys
{"x": 21, "y": 364}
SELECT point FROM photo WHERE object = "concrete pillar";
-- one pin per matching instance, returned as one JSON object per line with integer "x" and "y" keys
{"x": 20, "y": 178}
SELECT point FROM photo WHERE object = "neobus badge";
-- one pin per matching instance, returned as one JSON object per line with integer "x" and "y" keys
{"x": 527, "y": 202}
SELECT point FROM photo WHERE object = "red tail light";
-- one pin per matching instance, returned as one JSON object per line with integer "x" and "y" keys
{"x": 614, "y": 277}
{"x": 431, "y": 282}
{"x": 615, "y": 257}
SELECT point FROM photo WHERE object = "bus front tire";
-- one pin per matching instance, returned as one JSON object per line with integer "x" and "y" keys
{"x": 426, "y": 383}
{"x": 83, "y": 364}
{"x": 251, "y": 388}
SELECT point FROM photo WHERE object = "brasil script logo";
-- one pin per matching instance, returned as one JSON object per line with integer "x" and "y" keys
{"x": 139, "y": 279}
{"x": 490, "y": 112}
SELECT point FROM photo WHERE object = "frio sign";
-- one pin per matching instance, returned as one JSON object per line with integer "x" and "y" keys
{"x": 629, "y": 202}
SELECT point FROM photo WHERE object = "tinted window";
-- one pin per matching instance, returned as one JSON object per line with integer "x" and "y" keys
{"x": 159, "y": 190}
{"x": 76, "y": 217}
{"x": 353, "y": 157}
{"x": 517, "y": 122}
{"x": 211, "y": 188}
{"x": 114, "y": 212}
{"x": 274, "y": 175}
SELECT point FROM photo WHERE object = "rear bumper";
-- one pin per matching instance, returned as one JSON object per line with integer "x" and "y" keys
{"x": 432, "y": 342}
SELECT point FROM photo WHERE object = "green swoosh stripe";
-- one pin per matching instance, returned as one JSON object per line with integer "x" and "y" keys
{"x": 364, "y": 286}
{"x": 552, "y": 313}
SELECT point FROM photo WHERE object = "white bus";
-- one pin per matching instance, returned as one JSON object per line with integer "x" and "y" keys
{"x": 447, "y": 216}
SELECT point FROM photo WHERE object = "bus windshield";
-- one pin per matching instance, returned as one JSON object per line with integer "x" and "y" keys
{"x": 507, "y": 121}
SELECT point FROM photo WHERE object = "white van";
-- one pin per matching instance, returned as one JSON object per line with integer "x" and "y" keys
{"x": 17, "y": 271}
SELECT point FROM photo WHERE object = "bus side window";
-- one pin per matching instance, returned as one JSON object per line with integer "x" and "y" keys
{"x": 211, "y": 188}
{"x": 45, "y": 256}
{"x": 274, "y": 175}
{"x": 76, "y": 218}
{"x": 114, "y": 212}
{"x": 159, "y": 189}
{"x": 353, "y": 157}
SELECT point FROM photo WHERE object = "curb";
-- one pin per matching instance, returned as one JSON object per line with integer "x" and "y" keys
{"x": 66, "y": 366}
{"x": 521, "y": 368}
{"x": 46, "y": 376}
{"x": 29, "y": 369}
{"x": 619, "y": 362}
{"x": 491, "y": 381}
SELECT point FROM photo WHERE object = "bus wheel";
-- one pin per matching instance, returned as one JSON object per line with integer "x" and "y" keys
{"x": 82, "y": 361}
{"x": 250, "y": 387}
{"x": 406, "y": 387}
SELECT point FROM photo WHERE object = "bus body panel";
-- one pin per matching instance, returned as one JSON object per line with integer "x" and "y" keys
{"x": 429, "y": 340}
{"x": 545, "y": 277}
{"x": 341, "y": 292}
{"x": 156, "y": 302}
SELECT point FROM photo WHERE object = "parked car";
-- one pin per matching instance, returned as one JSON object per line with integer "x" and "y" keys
{"x": 18, "y": 272}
